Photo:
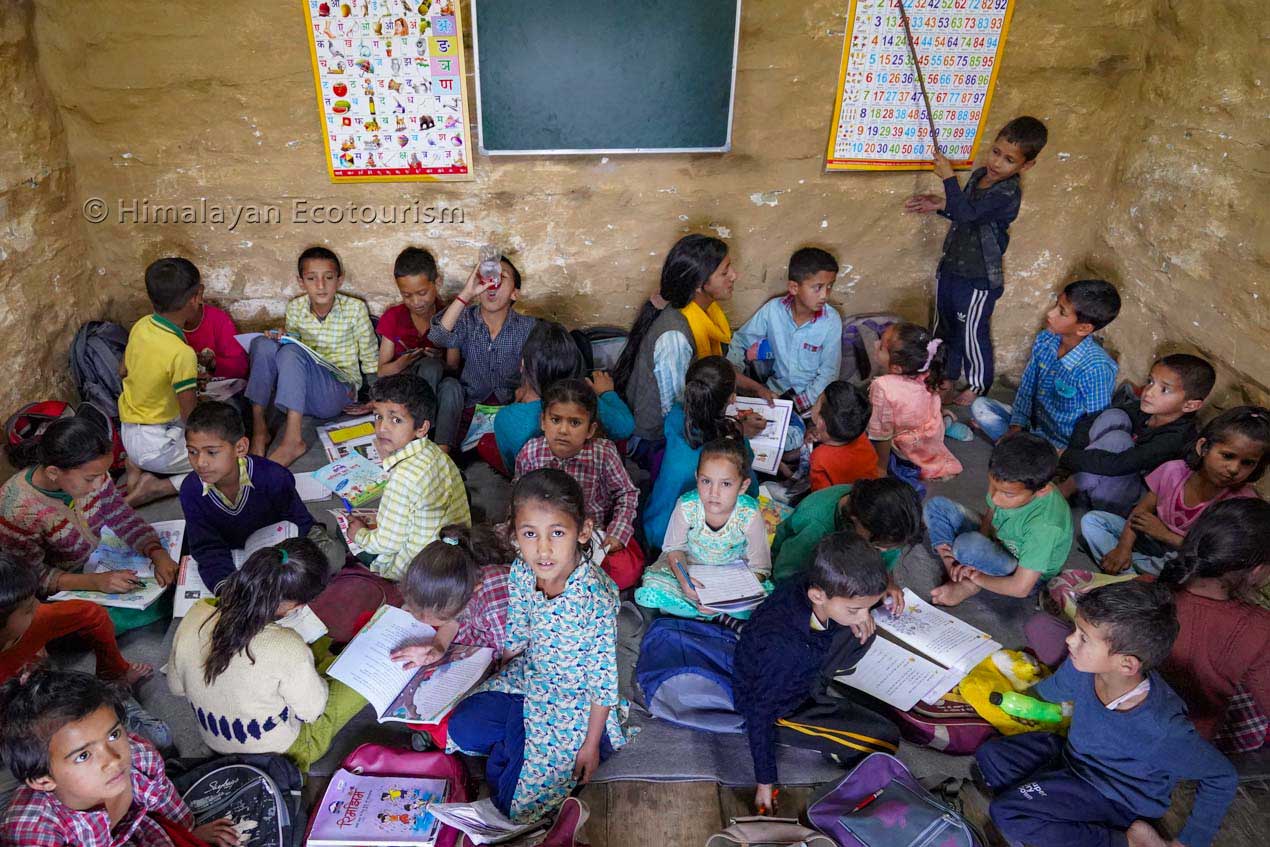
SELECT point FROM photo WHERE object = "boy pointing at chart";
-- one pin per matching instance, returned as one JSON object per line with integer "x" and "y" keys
{"x": 970, "y": 276}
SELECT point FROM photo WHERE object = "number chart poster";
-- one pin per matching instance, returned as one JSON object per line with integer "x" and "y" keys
{"x": 879, "y": 119}
{"x": 391, "y": 89}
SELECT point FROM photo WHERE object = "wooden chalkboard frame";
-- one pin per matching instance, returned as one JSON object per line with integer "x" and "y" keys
{"x": 480, "y": 118}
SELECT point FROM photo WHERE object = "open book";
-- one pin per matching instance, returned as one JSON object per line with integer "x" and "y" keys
{"x": 481, "y": 821}
{"x": 353, "y": 478}
{"x": 114, "y": 554}
{"x": 343, "y": 438}
{"x": 421, "y": 695}
{"x": 769, "y": 444}
{"x": 366, "y": 516}
{"x": 189, "y": 585}
{"x": 358, "y": 809}
{"x": 318, "y": 358}
{"x": 728, "y": 588}
{"x": 919, "y": 655}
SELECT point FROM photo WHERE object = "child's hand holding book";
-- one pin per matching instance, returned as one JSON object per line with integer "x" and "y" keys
{"x": 418, "y": 655}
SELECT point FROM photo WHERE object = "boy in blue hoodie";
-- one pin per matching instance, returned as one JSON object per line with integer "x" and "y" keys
{"x": 1129, "y": 745}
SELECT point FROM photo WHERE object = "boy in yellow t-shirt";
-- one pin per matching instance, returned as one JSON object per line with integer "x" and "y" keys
{"x": 160, "y": 384}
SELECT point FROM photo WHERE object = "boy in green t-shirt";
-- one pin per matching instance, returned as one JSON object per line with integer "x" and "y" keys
{"x": 1020, "y": 542}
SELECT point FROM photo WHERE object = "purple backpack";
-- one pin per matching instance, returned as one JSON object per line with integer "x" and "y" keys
{"x": 881, "y": 804}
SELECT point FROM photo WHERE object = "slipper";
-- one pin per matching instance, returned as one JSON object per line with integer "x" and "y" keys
{"x": 956, "y": 430}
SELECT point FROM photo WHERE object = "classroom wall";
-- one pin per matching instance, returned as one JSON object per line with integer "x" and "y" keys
{"x": 177, "y": 100}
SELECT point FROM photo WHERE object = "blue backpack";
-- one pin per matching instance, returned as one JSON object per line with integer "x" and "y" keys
{"x": 685, "y": 674}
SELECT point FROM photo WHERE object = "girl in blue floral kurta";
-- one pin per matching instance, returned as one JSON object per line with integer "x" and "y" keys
{"x": 553, "y": 713}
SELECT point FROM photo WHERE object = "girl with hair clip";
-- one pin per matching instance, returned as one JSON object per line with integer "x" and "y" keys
{"x": 1220, "y": 662}
{"x": 709, "y": 387}
{"x": 551, "y": 355}
{"x": 54, "y": 510}
{"x": 683, "y": 322}
{"x": 553, "y": 713}
{"x": 449, "y": 588}
{"x": 907, "y": 424}
{"x": 1229, "y": 455}
{"x": 253, "y": 683}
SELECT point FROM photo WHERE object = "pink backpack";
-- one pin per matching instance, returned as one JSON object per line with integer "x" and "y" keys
{"x": 949, "y": 727}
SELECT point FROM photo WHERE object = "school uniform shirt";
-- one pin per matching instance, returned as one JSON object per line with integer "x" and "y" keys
{"x": 1038, "y": 533}
{"x": 816, "y": 516}
{"x": 216, "y": 332}
{"x": 805, "y": 358}
{"x": 1168, "y": 482}
{"x": 396, "y": 326}
{"x": 1137, "y": 756}
{"x": 160, "y": 366}
{"x": 55, "y": 534}
{"x": 424, "y": 493}
{"x": 980, "y": 231}
{"x": 836, "y": 464}
{"x": 491, "y": 366}
{"x": 1221, "y": 644}
{"x": 1152, "y": 446}
{"x": 610, "y": 496}
{"x": 345, "y": 337}
{"x": 253, "y": 706}
{"x": 39, "y": 819}
{"x": 215, "y": 526}
{"x": 1056, "y": 392}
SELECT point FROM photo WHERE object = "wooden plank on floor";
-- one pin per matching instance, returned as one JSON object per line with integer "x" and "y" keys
{"x": 739, "y": 803}
{"x": 596, "y": 797}
{"x": 662, "y": 813}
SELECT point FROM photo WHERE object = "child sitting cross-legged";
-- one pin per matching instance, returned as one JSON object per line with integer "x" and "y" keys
{"x": 1068, "y": 375}
{"x": 907, "y": 424}
{"x": 714, "y": 525}
{"x": 812, "y": 629}
{"x": 87, "y": 782}
{"x": 424, "y": 491}
{"x": 1022, "y": 540}
{"x": 230, "y": 495}
{"x": 1129, "y": 745}
{"x": 569, "y": 443}
{"x": 843, "y": 452}
{"x": 553, "y": 713}
{"x": 1221, "y": 656}
{"x": 254, "y": 684}
{"x": 450, "y": 587}
{"x": 1231, "y": 454}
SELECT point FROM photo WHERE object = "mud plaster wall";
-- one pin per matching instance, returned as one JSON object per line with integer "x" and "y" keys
{"x": 176, "y": 101}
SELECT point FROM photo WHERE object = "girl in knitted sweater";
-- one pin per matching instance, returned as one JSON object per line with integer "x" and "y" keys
{"x": 253, "y": 683}
{"x": 54, "y": 510}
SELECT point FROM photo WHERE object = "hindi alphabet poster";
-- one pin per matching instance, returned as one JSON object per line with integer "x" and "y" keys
{"x": 391, "y": 89}
{"x": 879, "y": 118}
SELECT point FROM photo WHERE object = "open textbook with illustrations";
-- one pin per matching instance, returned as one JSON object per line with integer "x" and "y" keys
{"x": 918, "y": 655}
{"x": 115, "y": 554}
{"x": 189, "y": 585}
{"x": 420, "y": 695}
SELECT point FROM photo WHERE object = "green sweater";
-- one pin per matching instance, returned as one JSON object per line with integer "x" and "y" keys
{"x": 797, "y": 535}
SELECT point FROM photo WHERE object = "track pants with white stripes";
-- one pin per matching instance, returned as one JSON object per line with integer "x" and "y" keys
{"x": 847, "y": 729}
{"x": 963, "y": 312}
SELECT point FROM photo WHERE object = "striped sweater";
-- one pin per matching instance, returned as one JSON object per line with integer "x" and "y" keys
{"x": 57, "y": 535}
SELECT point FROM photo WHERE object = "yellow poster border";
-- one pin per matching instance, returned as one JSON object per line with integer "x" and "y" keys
{"x": 831, "y": 167}
{"x": 468, "y": 137}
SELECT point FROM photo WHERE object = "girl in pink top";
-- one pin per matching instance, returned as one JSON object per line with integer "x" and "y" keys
{"x": 212, "y": 337}
{"x": 907, "y": 414}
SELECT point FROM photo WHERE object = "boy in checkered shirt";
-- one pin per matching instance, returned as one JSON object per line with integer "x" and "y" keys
{"x": 86, "y": 781}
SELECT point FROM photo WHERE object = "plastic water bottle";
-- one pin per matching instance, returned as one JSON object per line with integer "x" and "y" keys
{"x": 489, "y": 265}
{"x": 1027, "y": 708}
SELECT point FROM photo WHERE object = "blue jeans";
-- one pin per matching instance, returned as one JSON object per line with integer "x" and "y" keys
{"x": 993, "y": 416}
{"x": 287, "y": 376}
{"x": 449, "y": 398}
{"x": 953, "y": 524}
{"x": 1101, "y": 531}
{"x": 1112, "y": 432}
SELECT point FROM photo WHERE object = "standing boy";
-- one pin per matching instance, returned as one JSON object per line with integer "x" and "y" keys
{"x": 810, "y": 630}
{"x": 425, "y": 491}
{"x": 970, "y": 277}
{"x": 1068, "y": 375}
{"x": 1129, "y": 745}
{"x": 160, "y": 383}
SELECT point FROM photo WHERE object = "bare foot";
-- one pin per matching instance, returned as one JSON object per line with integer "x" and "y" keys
{"x": 147, "y": 489}
{"x": 945, "y": 553}
{"x": 132, "y": 476}
{"x": 965, "y": 398}
{"x": 137, "y": 672}
{"x": 259, "y": 443}
{"x": 952, "y": 593}
{"x": 288, "y": 451}
{"x": 1142, "y": 834}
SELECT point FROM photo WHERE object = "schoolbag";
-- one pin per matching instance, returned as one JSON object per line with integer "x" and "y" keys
{"x": 860, "y": 334}
{"x": 600, "y": 346}
{"x": 947, "y": 726}
{"x": 685, "y": 674}
{"x": 260, "y": 793}
{"x": 27, "y": 424}
{"x": 759, "y": 831}
{"x": 881, "y": 804}
{"x": 96, "y": 356}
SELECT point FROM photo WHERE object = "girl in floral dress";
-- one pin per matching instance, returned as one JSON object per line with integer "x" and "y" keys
{"x": 549, "y": 718}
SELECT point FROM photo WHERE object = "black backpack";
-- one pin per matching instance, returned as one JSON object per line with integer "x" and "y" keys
{"x": 260, "y": 793}
{"x": 96, "y": 356}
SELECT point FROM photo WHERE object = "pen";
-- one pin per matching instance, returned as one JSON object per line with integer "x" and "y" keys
{"x": 348, "y": 507}
{"x": 866, "y": 801}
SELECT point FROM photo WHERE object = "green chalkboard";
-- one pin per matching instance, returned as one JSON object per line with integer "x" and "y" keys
{"x": 604, "y": 76}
